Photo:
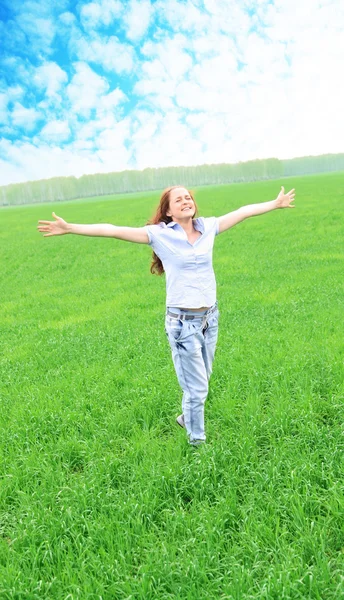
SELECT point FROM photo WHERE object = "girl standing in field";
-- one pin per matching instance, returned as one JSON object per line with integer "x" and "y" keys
{"x": 182, "y": 248}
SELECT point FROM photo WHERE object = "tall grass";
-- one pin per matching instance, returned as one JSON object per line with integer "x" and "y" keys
{"x": 100, "y": 494}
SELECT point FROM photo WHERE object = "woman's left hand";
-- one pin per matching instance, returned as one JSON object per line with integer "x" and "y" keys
{"x": 284, "y": 200}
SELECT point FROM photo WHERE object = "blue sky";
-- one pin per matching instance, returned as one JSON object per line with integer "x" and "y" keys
{"x": 108, "y": 85}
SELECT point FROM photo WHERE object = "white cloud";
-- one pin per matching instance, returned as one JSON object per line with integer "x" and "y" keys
{"x": 20, "y": 67}
{"x": 114, "y": 137}
{"x": 91, "y": 14}
{"x": 90, "y": 130}
{"x": 182, "y": 16}
{"x": 11, "y": 173}
{"x": 110, "y": 102}
{"x": 103, "y": 12}
{"x": 3, "y": 108}
{"x": 163, "y": 140}
{"x": 87, "y": 131}
{"x": 194, "y": 105}
{"x": 15, "y": 92}
{"x": 164, "y": 89}
{"x": 111, "y": 54}
{"x": 26, "y": 118}
{"x": 67, "y": 18}
{"x": 82, "y": 145}
{"x": 108, "y": 111}
{"x": 85, "y": 89}
{"x": 137, "y": 19}
{"x": 51, "y": 77}
{"x": 273, "y": 105}
{"x": 213, "y": 44}
{"x": 24, "y": 160}
{"x": 144, "y": 127}
{"x": 3, "y": 101}
{"x": 171, "y": 54}
{"x": 230, "y": 18}
{"x": 40, "y": 31}
{"x": 57, "y": 131}
{"x": 167, "y": 65}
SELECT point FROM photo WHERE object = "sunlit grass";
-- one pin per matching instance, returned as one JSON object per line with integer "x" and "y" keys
{"x": 100, "y": 494}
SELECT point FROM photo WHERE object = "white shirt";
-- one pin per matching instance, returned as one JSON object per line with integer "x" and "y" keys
{"x": 190, "y": 278}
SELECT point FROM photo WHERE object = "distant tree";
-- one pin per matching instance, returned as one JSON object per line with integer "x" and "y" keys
{"x": 68, "y": 188}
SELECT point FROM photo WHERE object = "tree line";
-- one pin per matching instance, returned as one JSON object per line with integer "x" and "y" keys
{"x": 69, "y": 188}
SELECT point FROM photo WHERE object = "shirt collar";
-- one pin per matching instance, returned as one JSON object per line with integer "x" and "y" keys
{"x": 197, "y": 224}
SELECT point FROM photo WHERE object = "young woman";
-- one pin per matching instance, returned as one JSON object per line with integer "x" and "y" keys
{"x": 182, "y": 248}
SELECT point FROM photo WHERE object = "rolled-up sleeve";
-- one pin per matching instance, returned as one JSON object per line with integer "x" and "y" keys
{"x": 148, "y": 228}
{"x": 212, "y": 225}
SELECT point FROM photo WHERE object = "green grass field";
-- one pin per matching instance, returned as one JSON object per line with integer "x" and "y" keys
{"x": 101, "y": 497}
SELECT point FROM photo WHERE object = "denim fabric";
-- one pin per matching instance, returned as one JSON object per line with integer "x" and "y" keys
{"x": 193, "y": 344}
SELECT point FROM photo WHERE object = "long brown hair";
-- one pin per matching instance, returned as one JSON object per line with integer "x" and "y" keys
{"x": 161, "y": 216}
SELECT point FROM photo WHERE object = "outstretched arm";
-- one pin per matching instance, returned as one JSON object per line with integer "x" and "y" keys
{"x": 61, "y": 227}
{"x": 251, "y": 210}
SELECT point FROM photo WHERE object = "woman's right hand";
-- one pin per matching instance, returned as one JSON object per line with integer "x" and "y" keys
{"x": 58, "y": 227}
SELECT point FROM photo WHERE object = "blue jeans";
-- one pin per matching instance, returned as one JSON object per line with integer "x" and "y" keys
{"x": 193, "y": 344}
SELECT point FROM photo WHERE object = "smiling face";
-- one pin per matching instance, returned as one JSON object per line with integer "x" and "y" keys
{"x": 181, "y": 204}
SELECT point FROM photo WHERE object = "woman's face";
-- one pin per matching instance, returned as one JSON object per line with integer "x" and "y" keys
{"x": 181, "y": 204}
